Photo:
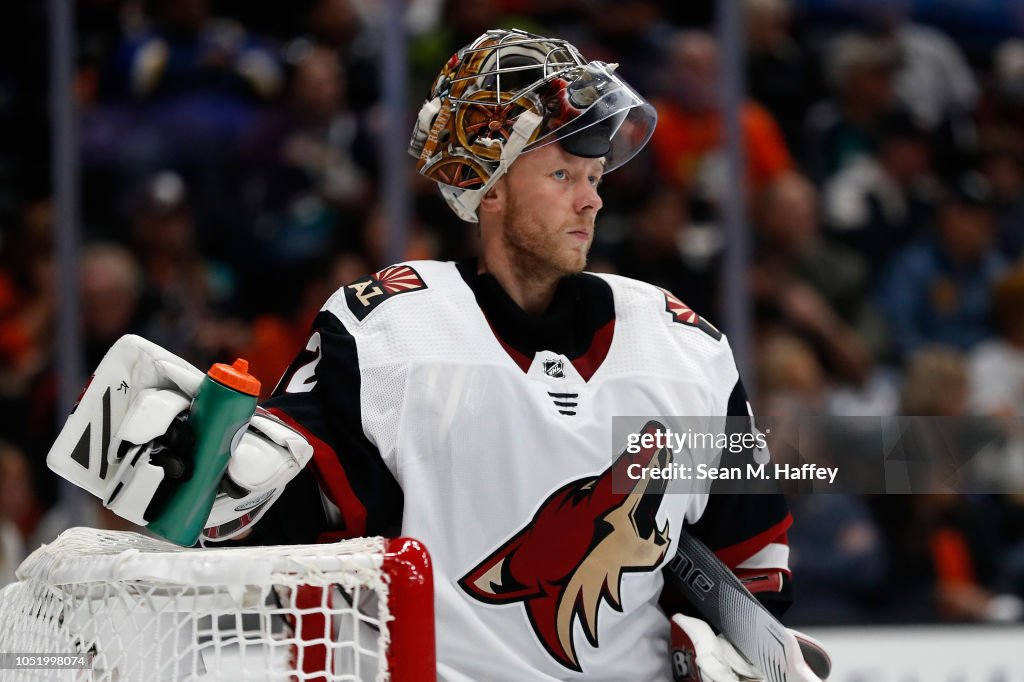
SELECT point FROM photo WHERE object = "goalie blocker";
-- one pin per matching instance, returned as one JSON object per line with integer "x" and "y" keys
{"x": 128, "y": 442}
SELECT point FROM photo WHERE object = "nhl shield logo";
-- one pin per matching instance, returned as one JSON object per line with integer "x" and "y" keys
{"x": 554, "y": 368}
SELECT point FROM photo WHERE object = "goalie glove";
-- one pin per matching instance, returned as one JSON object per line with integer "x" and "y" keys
{"x": 269, "y": 454}
{"x": 127, "y": 442}
{"x": 698, "y": 655}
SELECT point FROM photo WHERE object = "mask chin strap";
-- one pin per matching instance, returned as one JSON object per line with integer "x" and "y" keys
{"x": 466, "y": 202}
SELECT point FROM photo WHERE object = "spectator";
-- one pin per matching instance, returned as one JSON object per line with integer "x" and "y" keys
{"x": 631, "y": 33}
{"x": 271, "y": 341}
{"x": 999, "y": 112}
{"x": 779, "y": 73}
{"x": 27, "y": 299}
{"x": 792, "y": 385}
{"x": 1002, "y": 163}
{"x": 879, "y": 202}
{"x": 110, "y": 288}
{"x": 181, "y": 288}
{"x": 934, "y": 81}
{"x": 312, "y": 170}
{"x": 342, "y": 27}
{"x": 460, "y": 22}
{"x": 20, "y": 510}
{"x": 935, "y": 384}
{"x": 324, "y": 134}
{"x": 186, "y": 50}
{"x": 996, "y": 371}
{"x": 965, "y": 553}
{"x": 997, "y": 365}
{"x": 838, "y": 550}
{"x": 377, "y": 240}
{"x": 817, "y": 289}
{"x": 1010, "y": 514}
{"x": 936, "y": 289}
{"x": 790, "y": 379}
{"x": 688, "y": 140}
{"x": 860, "y": 72}
{"x": 110, "y": 282}
{"x": 335, "y": 23}
{"x": 945, "y": 553}
{"x": 186, "y": 88}
{"x": 664, "y": 248}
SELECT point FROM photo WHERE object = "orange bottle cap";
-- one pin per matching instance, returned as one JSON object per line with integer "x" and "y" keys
{"x": 236, "y": 376}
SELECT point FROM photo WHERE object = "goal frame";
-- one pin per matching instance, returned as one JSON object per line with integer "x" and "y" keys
{"x": 412, "y": 654}
{"x": 400, "y": 567}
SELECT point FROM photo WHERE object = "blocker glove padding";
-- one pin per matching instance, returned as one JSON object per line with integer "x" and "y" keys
{"x": 128, "y": 442}
{"x": 172, "y": 451}
{"x": 699, "y": 655}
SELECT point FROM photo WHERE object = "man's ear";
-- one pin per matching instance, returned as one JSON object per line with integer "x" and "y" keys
{"x": 494, "y": 200}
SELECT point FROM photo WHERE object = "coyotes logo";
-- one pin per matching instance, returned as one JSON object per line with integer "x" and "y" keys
{"x": 571, "y": 556}
{"x": 364, "y": 295}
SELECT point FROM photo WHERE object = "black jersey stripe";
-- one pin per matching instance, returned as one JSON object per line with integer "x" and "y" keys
{"x": 332, "y": 413}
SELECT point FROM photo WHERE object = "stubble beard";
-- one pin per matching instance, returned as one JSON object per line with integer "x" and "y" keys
{"x": 535, "y": 253}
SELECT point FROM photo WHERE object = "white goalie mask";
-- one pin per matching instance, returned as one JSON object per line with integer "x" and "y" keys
{"x": 509, "y": 92}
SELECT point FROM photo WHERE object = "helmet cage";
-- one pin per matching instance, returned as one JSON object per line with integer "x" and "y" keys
{"x": 510, "y": 91}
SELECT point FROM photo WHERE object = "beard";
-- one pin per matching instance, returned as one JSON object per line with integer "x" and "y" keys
{"x": 537, "y": 251}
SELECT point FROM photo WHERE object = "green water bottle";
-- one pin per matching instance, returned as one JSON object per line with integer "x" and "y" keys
{"x": 220, "y": 413}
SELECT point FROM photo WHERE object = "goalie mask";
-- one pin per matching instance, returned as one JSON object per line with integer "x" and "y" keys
{"x": 509, "y": 92}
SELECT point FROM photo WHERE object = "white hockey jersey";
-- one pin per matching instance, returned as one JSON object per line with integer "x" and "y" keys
{"x": 435, "y": 414}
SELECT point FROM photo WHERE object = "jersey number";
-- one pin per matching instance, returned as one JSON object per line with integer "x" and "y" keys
{"x": 304, "y": 379}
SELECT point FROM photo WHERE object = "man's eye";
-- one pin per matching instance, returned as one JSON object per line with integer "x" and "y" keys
{"x": 560, "y": 175}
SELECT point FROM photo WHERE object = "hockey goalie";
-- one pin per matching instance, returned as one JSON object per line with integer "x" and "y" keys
{"x": 470, "y": 405}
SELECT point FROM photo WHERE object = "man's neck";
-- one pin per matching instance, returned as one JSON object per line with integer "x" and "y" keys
{"x": 530, "y": 285}
{"x": 572, "y": 325}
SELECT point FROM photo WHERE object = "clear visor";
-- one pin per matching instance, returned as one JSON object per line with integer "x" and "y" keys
{"x": 597, "y": 115}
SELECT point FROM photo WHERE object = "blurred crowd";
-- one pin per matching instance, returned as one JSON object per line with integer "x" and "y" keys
{"x": 231, "y": 181}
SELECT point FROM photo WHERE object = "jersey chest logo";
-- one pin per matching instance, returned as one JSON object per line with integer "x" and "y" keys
{"x": 365, "y": 295}
{"x": 683, "y": 314}
{"x": 554, "y": 368}
{"x": 570, "y": 557}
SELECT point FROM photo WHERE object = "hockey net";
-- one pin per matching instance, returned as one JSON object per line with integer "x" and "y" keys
{"x": 142, "y": 609}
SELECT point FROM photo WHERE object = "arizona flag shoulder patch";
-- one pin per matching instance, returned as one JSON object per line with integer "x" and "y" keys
{"x": 683, "y": 314}
{"x": 365, "y": 295}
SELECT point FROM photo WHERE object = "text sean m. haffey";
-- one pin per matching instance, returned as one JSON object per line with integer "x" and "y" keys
{"x": 753, "y": 471}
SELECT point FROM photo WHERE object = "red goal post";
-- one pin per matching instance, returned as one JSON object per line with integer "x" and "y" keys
{"x": 144, "y": 609}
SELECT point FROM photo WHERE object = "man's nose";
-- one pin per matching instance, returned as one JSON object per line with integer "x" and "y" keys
{"x": 588, "y": 198}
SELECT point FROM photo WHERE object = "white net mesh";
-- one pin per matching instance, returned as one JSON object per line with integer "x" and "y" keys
{"x": 143, "y": 609}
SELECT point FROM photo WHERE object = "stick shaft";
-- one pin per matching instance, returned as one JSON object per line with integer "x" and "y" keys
{"x": 725, "y": 603}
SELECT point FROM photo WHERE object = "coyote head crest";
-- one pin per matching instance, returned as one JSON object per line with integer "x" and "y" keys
{"x": 571, "y": 556}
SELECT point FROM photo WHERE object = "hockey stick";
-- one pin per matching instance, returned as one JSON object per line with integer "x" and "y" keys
{"x": 727, "y": 605}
